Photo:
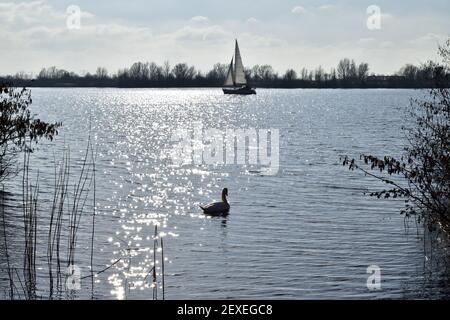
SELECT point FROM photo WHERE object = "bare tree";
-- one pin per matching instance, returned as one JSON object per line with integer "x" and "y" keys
{"x": 319, "y": 74}
{"x": 343, "y": 69}
{"x": 304, "y": 74}
{"x": 182, "y": 71}
{"x": 290, "y": 75}
{"x": 155, "y": 71}
{"x": 139, "y": 70}
{"x": 218, "y": 72}
{"x": 363, "y": 71}
{"x": 409, "y": 71}
{"x": 166, "y": 70}
{"x": 101, "y": 73}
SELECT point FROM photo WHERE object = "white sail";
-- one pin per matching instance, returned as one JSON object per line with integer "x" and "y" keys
{"x": 239, "y": 74}
{"x": 230, "y": 76}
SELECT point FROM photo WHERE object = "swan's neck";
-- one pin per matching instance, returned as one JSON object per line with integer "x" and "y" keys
{"x": 224, "y": 198}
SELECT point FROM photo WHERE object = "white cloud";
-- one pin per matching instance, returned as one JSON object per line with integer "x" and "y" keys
{"x": 429, "y": 38}
{"x": 257, "y": 41}
{"x": 199, "y": 19}
{"x": 326, "y": 7}
{"x": 252, "y": 20}
{"x": 26, "y": 13}
{"x": 87, "y": 15}
{"x": 19, "y": 15}
{"x": 298, "y": 10}
{"x": 189, "y": 35}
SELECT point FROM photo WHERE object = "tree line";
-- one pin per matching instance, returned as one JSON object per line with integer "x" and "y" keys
{"x": 347, "y": 74}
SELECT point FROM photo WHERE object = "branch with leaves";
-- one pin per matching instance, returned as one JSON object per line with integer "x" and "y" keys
{"x": 19, "y": 129}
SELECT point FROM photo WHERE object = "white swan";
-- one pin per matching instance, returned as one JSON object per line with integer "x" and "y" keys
{"x": 218, "y": 208}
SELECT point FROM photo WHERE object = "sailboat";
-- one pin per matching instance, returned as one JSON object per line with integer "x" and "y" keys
{"x": 236, "y": 82}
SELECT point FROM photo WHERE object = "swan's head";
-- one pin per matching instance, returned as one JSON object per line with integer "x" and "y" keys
{"x": 224, "y": 194}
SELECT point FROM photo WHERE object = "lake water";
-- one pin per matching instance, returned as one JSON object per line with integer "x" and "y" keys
{"x": 306, "y": 232}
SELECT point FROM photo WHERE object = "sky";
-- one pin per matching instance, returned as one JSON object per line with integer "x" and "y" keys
{"x": 285, "y": 34}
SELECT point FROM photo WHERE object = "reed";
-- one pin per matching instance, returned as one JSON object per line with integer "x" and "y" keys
{"x": 5, "y": 239}
{"x": 155, "y": 281}
{"x": 94, "y": 207}
{"x": 55, "y": 229}
{"x": 29, "y": 207}
{"x": 162, "y": 268}
{"x": 56, "y": 215}
{"x": 153, "y": 269}
{"x": 68, "y": 202}
{"x": 80, "y": 195}
{"x": 65, "y": 215}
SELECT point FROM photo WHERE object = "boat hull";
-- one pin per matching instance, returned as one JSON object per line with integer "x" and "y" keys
{"x": 241, "y": 91}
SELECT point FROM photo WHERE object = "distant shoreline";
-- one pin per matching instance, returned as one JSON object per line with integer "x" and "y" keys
{"x": 347, "y": 75}
{"x": 215, "y": 87}
{"x": 40, "y": 84}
